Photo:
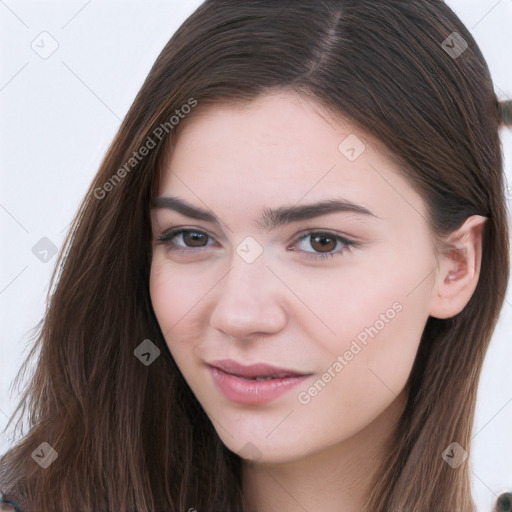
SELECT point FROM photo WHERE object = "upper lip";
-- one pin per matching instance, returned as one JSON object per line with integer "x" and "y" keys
{"x": 254, "y": 370}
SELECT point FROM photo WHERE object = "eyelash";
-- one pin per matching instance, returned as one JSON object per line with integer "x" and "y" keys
{"x": 166, "y": 237}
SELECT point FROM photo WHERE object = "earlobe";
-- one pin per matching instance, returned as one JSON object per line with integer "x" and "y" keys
{"x": 459, "y": 269}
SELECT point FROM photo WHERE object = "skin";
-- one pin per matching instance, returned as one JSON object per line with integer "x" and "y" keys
{"x": 287, "y": 310}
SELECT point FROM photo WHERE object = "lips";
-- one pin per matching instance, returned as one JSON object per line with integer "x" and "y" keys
{"x": 256, "y": 371}
{"x": 259, "y": 384}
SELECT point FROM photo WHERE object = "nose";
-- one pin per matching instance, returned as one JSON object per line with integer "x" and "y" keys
{"x": 249, "y": 301}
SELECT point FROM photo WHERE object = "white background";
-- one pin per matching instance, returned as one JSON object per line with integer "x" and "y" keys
{"x": 60, "y": 114}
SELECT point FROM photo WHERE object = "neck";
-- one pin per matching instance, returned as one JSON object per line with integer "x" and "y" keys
{"x": 335, "y": 479}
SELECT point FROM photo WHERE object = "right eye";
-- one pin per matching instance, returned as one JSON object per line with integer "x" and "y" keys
{"x": 189, "y": 237}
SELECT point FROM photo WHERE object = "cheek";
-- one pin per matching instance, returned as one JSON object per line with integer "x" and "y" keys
{"x": 369, "y": 303}
{"x": 378, "y": 318}
{"x": 391, "y": 351}
{"x": 175, "y": 292}
{"x": 173, "y": 296}
{"x": 366, "y": 372}
{"x": 163, "y": 296}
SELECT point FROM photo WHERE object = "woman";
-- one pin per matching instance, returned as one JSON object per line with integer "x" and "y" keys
{"x": 348, "y": 152}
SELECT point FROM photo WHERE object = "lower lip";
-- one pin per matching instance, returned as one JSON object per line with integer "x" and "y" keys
{"x": 243, "y": 391}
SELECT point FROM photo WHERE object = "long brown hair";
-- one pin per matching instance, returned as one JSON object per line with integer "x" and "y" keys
{"x": 133, "y": 437}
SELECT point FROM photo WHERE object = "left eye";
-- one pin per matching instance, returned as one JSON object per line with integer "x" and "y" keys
{"x": 324, "y": 242}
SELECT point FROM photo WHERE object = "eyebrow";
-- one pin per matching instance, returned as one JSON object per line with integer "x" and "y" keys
{"x": 270, "y": 218}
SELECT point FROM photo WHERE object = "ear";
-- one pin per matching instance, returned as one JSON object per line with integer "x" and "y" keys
{"x": 458, "y": 269}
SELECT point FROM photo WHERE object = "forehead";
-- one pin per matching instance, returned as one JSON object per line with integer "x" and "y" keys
{"x": 273, "y": 122}
{"x": 278, "y": 149}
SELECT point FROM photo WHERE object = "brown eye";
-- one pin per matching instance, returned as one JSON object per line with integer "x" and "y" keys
{"x": 323, "y": 242}
{"x": 182, "y": 239}
{"x": 194, "y": 238}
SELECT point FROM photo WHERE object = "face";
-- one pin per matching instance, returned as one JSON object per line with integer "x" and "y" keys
{"x": 294, "y": 329}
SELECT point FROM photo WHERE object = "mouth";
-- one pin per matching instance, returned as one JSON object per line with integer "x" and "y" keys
{"x": 253, "y": 384}
{"x": 255, "y": 371}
